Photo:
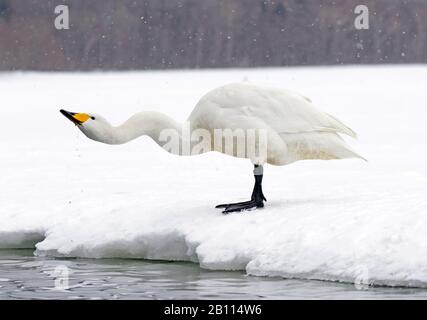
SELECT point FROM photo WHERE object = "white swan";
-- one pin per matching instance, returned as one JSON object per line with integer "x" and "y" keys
{"x": 291, "y": 126}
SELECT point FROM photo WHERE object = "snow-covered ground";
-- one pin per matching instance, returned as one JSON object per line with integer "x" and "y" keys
{"x": 346, "y": 220}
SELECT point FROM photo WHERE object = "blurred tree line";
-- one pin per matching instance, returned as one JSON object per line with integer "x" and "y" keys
{"x": 158, "y": 34}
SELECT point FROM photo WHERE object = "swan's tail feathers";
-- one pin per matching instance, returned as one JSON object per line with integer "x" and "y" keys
{"x": 338, "y": 126}
{"x": 317, "y": 145}
{"x": 341, "y": 149}
{"x": 352, "y": 154}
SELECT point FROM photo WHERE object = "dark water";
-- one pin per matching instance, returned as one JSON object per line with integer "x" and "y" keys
{"x": 23, "y": 276}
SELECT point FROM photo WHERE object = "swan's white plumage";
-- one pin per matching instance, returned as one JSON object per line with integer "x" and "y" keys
{"x": 284, "y": 111}
{"x": 297, "y": 130}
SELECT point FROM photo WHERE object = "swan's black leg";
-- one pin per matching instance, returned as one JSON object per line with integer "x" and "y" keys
{"x": 257, "y": 198}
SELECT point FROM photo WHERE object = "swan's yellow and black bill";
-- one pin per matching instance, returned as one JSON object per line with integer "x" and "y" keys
{"x": 76, "y": 118}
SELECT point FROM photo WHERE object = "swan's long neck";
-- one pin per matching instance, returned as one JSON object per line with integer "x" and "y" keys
{"x": 148, "y": 123}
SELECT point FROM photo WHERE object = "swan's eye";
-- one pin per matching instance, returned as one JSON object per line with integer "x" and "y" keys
{"x": 93, "y": 118}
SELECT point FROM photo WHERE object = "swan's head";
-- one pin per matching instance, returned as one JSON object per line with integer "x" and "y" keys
{"x": 93, "y": 126}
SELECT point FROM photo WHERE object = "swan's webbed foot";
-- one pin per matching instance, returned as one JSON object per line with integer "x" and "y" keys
{"x": 225, "y": 205}
{"x": 257, "y": 198}
{"x": 242, "y": 206}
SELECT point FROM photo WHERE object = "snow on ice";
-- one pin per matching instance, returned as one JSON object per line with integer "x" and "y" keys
{"x": 65, "y": 195}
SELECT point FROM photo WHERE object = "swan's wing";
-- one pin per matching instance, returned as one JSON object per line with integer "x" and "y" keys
{"x": 281, "y": 110}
